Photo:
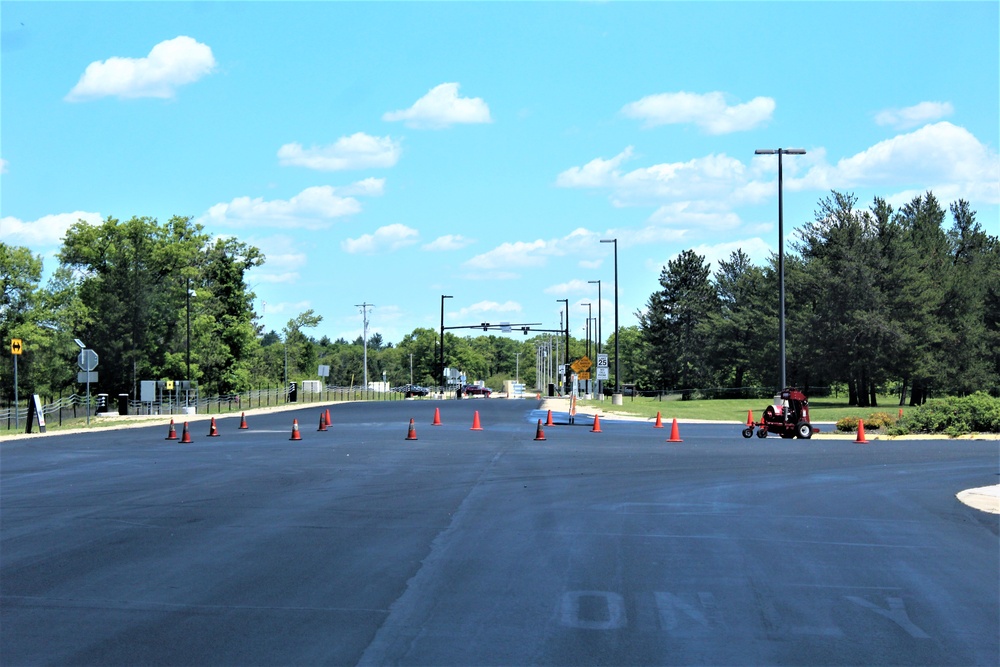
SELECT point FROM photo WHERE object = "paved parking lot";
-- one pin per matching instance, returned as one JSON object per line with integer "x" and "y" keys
{"x": 462, "y": 547}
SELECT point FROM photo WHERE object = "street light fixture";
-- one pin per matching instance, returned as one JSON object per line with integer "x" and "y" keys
{"x": 781, "y": 257}
{"x": 441, "y": 347}
{"x": 617, "y": 398}
{"x": 565, "y": 302}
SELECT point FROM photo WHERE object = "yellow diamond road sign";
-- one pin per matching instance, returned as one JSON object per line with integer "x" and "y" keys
{"x": 582, "y": 364}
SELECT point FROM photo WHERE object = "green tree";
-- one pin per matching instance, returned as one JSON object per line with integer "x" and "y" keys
{"x": 741, "y": 331}
{"x": 675, "y": 323}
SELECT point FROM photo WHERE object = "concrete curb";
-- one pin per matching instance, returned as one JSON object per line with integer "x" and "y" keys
{"x": 985, "y": 498}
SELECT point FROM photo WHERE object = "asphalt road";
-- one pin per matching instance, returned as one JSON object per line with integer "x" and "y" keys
{"x": 357, "y": 546}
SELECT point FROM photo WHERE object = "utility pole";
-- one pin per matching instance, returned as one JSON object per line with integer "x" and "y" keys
{"x": 364, "y": 318}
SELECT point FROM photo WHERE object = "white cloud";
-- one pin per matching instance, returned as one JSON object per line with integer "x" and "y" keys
{"x": 385, "y": 239}
{"x": 284, "y": 257}
{"x": 710, "y": 177}
{"x": 597, "y": 173}
{"x": 484, "y": 307}
{"x": 170, "y": 64}
{"x": 590, "y": 264}
{"x": 574, "y": 286}
{"x": 910, "y": 117}
{"x": 440, "y": 108}
{"x": 941, "y": 157}
{"x": 448, "y": 242}
{"x": 501, "y": 262}
{"x": 3, "y": 166}
{"x": 709, "y": 111}
{"x": 313, "y": 208}
{"x": 358, "y": 151}
{"x": 47, "y": 231}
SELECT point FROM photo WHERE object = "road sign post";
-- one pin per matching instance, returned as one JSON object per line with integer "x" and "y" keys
{"x": 15, "y": 350}
{"x": 87, "y": 361}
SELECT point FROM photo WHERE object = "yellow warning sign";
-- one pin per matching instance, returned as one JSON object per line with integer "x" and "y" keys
{"x": 15, "y": 346}
{"x": 582, "y": 364}
{"x": 170, "y": 385}
{"x": 583, "y": 375}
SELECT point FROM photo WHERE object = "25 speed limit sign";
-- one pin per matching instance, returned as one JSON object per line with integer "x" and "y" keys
{"x": 602, "y": 367}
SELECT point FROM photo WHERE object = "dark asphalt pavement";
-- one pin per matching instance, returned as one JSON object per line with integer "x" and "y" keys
{"x": 357, "y": 546}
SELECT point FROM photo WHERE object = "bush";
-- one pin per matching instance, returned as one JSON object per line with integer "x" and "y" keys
{"x": 978, "y": 413}
{"x": 876, "y": 420}
{"x": 848, "y": 423}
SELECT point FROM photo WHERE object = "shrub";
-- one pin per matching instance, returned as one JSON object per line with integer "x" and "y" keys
{"x": 848, "y": 423}
{"x": 875, "y": 420}
{"x": 978, "y": 413}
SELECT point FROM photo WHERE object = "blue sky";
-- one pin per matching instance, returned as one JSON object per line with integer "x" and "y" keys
{"x": 390, "y": 153}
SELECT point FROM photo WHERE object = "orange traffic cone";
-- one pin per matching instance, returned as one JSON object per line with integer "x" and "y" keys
{"x": 295, "y": 430}
{"x": 659, "y": 420}
{"x": 749, "y": 417}
{"x": 538, "y": 396}
{"x": 322, "y": 422}
{"x": 243, "y": 420}
{"x": 328, "y": 422}
{"x": 412, "y": 433}
{"x": 675, "y": 435}
{"x": 548, "y": 421}
{"x": 172, "y": 433}
{"x": 213, "y": 432}
{"x": 539, "y": 433}
{"x": 901, "y": 413}
{"x": 860, "y": 440}
{"x": 437, "y": 417}
{"x": 185, "y": 436}
{"x": 475, "y": 422}
{"x": 597, "y": 425}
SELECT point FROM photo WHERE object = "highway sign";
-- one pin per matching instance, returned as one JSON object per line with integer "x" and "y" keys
{"x": 87, "y": 360}
{"x": 15, "y": 346}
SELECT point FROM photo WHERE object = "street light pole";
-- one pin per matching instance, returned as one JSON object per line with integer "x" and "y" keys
{"x": 364, "y": 328}
{"x": 617, "y": 398}
{"x": 599, "y": 339}
{"x": 566, "y": 357}
{"x": 441, "y": 347}
{"x": 590, "y": 312}
{"x": 781, "y": 258}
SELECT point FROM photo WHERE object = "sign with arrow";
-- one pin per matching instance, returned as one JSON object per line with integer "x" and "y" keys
{"x": 581, "y": 365}
{"x": 15, "y": 346}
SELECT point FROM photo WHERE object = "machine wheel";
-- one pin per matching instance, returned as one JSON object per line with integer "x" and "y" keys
{"x": 804, "y": 430}
{"x": 747, "y": 432}
{"x": 762, "y": 433}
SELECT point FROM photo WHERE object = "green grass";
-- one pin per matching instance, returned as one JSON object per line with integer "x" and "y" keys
{"x": 735, "y": 409}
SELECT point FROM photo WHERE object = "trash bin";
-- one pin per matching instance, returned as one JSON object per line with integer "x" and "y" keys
{"x": 552, "y": 389}
{"x": 123, "y": 404}
{"x": 102, "y": 403}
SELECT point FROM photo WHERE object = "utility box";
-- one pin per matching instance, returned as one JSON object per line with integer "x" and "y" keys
{"x": 311, "y": 386}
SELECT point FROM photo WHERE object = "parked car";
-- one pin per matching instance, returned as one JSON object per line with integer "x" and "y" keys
{"x": 476, "y": 390}
{"x": 413, "y": 390}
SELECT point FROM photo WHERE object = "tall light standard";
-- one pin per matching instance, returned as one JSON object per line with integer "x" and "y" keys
{"x": 364, "y": 327}
{"x": 599, "y": 339}
{"x": 590, "y": 313}
{"x": 617, "y": 398}
{"x": 441, "y": 347}
{"x": 781, "y": 257}
{"x": 565, "y": 302}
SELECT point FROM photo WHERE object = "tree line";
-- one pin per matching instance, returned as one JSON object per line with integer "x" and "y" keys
{"x": 875, "y": 298}
{"x": 166, "y": 301}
